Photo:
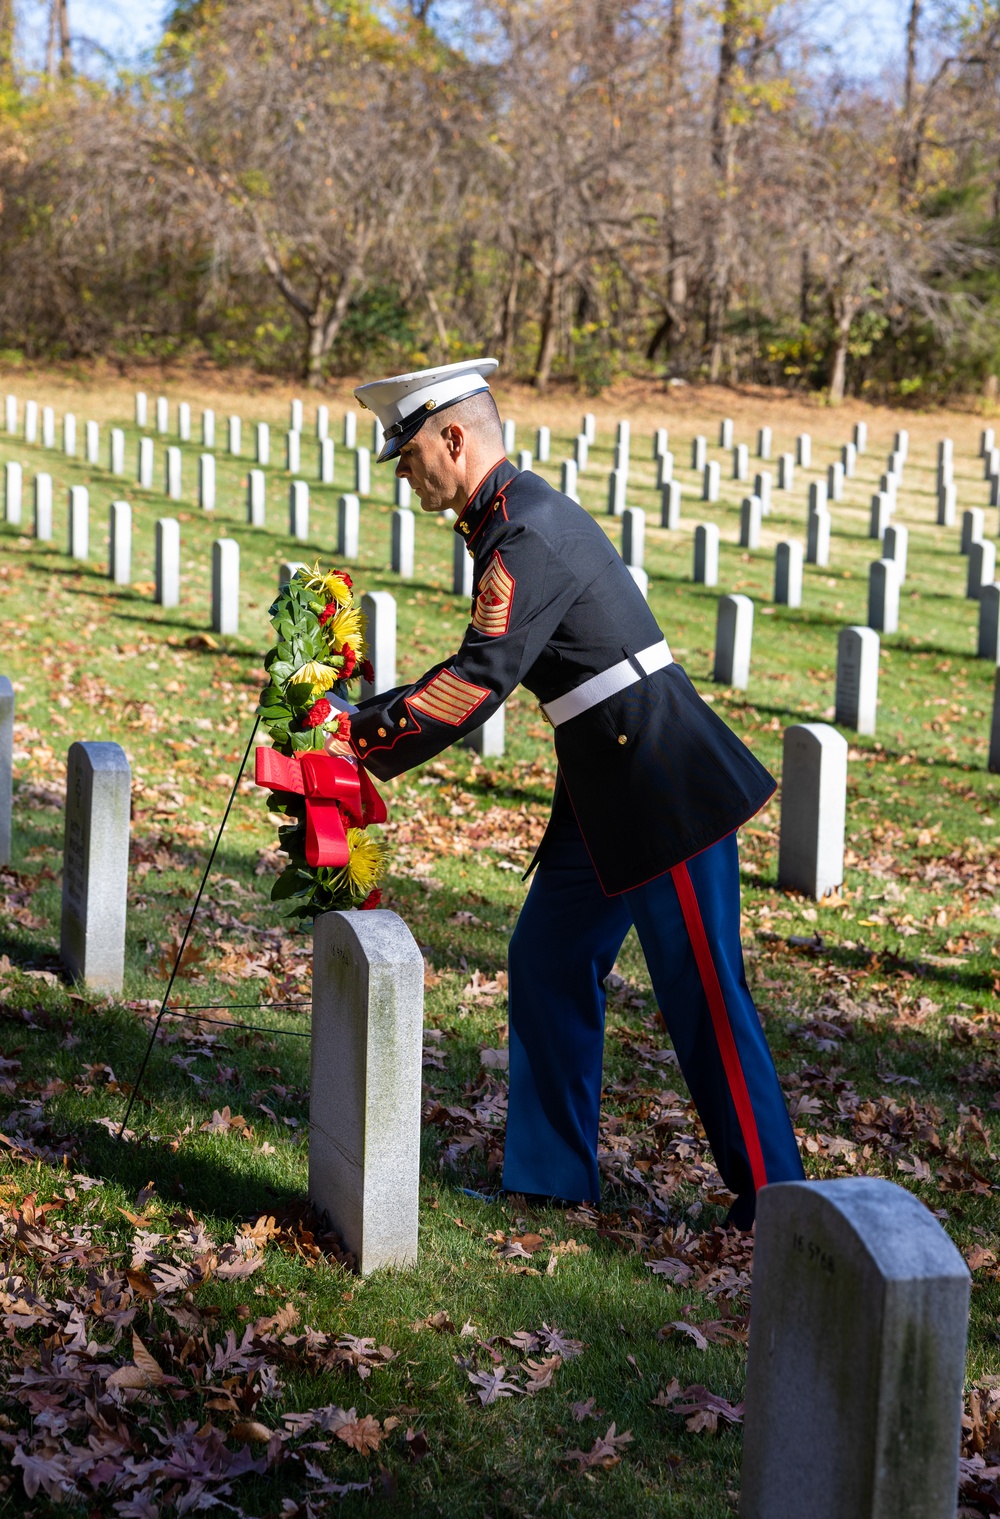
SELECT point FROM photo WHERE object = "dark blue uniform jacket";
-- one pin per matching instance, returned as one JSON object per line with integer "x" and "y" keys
{"x": 652, "y": 775}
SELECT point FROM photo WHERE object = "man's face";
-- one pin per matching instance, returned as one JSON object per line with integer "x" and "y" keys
{"x": 431, "y": 463}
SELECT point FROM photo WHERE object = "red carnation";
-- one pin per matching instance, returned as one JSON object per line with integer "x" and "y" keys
{"x": 318, "y": 713}
{"x": 345, "y": 577}
{"x": 372, "y": 899}
{"x": 368, "y": 671}
{"x": 327, "y": 613}
{"x": 350, "y": 660}
{"x": 344, "y": 728}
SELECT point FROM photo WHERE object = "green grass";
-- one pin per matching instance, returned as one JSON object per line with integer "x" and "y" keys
{"x": 880, "y": 1004}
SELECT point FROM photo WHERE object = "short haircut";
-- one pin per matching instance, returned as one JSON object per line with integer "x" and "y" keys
{"x": 479, "y": 414}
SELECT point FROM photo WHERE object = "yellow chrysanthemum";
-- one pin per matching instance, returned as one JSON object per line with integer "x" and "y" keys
{"x": 364, "y": 867}
{"x": 344, "y": 630}
{"x": 319, "y": 677}
{"x": 330, "y": 582}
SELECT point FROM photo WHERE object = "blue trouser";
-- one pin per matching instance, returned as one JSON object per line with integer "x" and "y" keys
{"x": 565, "y": 943}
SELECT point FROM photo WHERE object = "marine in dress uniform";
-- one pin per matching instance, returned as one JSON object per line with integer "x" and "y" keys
{"x": 652, "y": 786}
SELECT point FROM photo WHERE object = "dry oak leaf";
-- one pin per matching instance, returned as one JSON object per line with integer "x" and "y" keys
{"x": 688, "y": 1329}
{"x": 490, "y": 1385}
{"x": 540, "y": 1373}
{"x": 439, "y": 1321}
{"x": 416, "y": 1444}
{"x": 700, "y": 1408}
{"x": 277, "y": 1323}
{"x": 603, "y": 1452}
{"x": 363, "y": 1435}
{"x": 142, "y": 1284}
{"x": 251, "y": 1429}
{"x": 144, "y": 1373}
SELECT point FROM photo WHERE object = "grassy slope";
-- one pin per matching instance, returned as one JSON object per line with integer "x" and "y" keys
{"x": 903, "y": 971}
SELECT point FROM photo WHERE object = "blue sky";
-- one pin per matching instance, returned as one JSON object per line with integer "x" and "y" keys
{"x": 867, "y": 35}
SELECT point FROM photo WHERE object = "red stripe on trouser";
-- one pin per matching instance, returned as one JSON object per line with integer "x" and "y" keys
{"x": 720, "y": 1021}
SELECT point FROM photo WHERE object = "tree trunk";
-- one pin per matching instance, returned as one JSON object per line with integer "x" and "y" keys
{"x": 724, "y": 163}
{"x": 909, "y": 154}
{"x": 7, "y": 42}
{"x": 65, "y": 50}
{"x": 550, "y": 332}
{"x": 324, "y": 329}
{"x": 844, "y": 310}
{"x": 508, "y": 330}
{"x": 677, "y": 256}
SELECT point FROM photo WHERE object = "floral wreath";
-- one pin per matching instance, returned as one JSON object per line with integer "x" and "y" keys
{"x": 320, "y": 649}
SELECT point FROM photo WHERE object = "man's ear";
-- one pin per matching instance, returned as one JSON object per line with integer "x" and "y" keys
{"x": 454, "y": 435}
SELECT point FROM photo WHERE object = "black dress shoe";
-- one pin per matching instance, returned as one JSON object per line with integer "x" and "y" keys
{"x": 742, "y": 1212}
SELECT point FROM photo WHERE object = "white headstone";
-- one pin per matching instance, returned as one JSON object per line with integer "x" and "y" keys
{"x": 710, "y": 481}
{"x": 813, "y": 805}
{"x": 945, "y": 473}
{"x": 234, "y": 428}
{"x": 296, "y": 417}
{"x": 641, "y": 579}
{"x": 10, "y": 414}
{"x": 763, "y": 443}
{"x": 982, "y": 568}
{"x": 208, "y": 429}
{"x": 788, "y": 573}
{"x": 509, "y": 435}
{"x": 883, "y": 596}
{"x": 817, "y": 496}
{"x": 835, "y": 481}
{"x": 699, "y": 453}
{"x": 92, "y": 445}
{"x": 462, "y": 568}
{"x": 581, "y": 451}
{"x": 861, "y": 436}
{"x": 567, "y": 480}
{"x": 973, "y": 527}
{"x": 364, "y": 1103}
{"x": 633, "y": 536}
{"x": 95, "y": 865}
{"x": 31, "y": 421}
{"x": 327, "y": 460}
{"x": 362, "y": 472}
{"x": 733, "y": 639}
{"x": 803, "y": 450}
{"x": 488, "y": 740}
{"x": 12, "y": 482}
{"x": 988, "y": 646}
{"x": 184, "y": 422}
{"x": 878, "y": 517}
{"x": 145, "y": 471}
{"x": 287, "y": 569}
{"x": 116, "y": 455}
{"x": 173, "y": 472}
{"x": 895, "y": 545}
{"x": 322, "y": 423}
{"x": 947, "y": 505}
{"x": 661, "y": 442}
{"x": 991, "y": 466}
{"x": 350, "y": 429}
{"x": 378, "y": 437}
{"x": 263, "y": 436}
{"x": 857, "y": 1356}
{"x": 379, "y": 611}
{"x": 786, "y": 472}
{"x": 256, "y": 498}
{"x": 623, "y": 438}
{"x": 987, "y": 439}
{"x": 402, "y": 542}
{"x": 762, "y": 488}
{"x": 706, "y": 554}
{"x": 590, "y": 427}
{"x": 856, "y": 699}
{"x": 168, "y": 562}
{"x": 69, "y": 436}
{"x": 120, "y": 543}
{"x": 993, "y": 760}
{"x": 162, "y": 415}
{"x": 225, "y": 586}
{"x": 79, "y": 522}
{"x": 48, "y": 427}
{"x": 849, "y": 459}
{"x": 751, "y": 513}
{"x": 298, "y": 511}
{"x": 741, "y": 462}
{"x": 902, "y": 443}
{"x": 403, "y": 492}
{"x": 524, "y": 459}
{"x": 664, "y": 469}
{"x": 348, "y": 526}
{"x": 141, "y": 408}
{"x": 726, "y": 433}
{"x": 670, "y": 505}
{"x": 621, "y": 459}
{"x": 43, "y": 508}
{"x": 818, "y": 526}
{"x": 293, "y": 452}
{"x": 543, "y": 443}
{"x": 616, "y": 492}
{"x": 206, "y": 482}
{"x": 896, "y": 462}
{"x": 6, "y": 768}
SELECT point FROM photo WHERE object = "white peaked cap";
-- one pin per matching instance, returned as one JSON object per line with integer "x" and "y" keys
{"x": 404, "y": 402}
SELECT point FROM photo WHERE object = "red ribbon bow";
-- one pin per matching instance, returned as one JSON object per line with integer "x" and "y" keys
{"x": 334, "y": 791}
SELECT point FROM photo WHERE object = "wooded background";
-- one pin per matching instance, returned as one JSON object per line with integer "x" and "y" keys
{"x": 585, "y": 188}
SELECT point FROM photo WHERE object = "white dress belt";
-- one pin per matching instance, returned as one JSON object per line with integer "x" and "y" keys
{"x": 599, "y": 687}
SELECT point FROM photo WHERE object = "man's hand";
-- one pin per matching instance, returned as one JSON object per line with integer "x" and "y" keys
{"x": 336, "y": 746}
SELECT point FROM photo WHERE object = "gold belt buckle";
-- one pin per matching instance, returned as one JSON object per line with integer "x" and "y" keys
{"x": 545, "y": 715}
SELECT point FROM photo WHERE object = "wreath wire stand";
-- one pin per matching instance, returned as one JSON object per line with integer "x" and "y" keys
{"x": 192, "y": 1010}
